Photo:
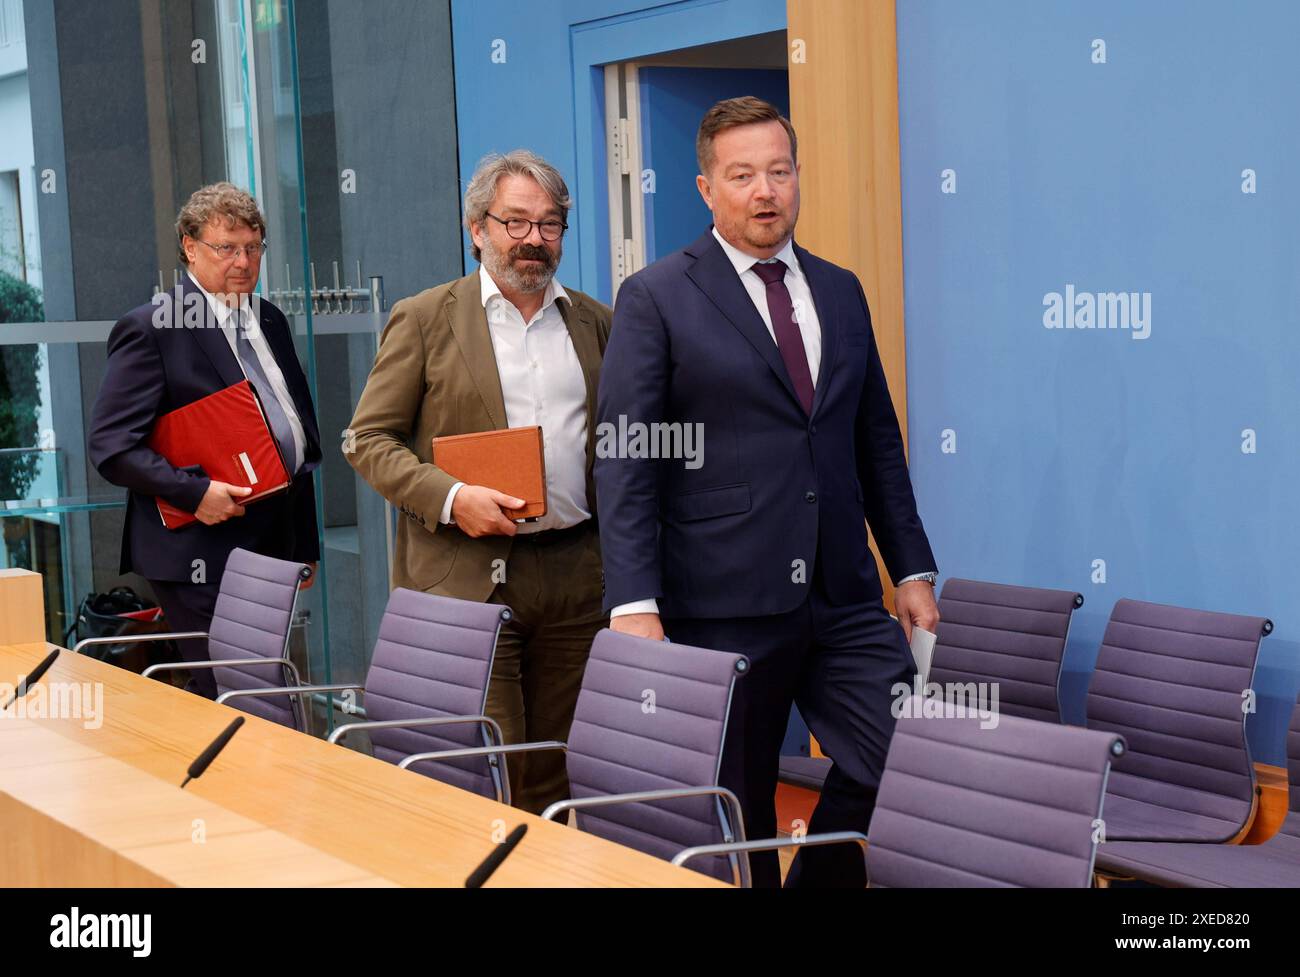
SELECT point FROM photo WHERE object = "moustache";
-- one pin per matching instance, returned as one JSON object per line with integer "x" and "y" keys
{"x": 532, "y": 252}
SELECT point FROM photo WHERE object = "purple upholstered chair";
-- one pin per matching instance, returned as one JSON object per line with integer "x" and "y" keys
{"x": 1015, "y": 636}
{"x": 248, "y": 639}
{"x": 1171, "y": 681}
{"x": 988, "y": 632}
{"x": 1273, "y": 864}
{"x": 426, "y": 689}
{"x": 961, "y": 805}
{"x": 645, "y": 751}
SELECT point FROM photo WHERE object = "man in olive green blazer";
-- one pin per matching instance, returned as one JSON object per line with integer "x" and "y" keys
{"x": 505, "y": 346}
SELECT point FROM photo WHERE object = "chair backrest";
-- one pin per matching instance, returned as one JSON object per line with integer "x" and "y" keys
{"x": 653, "y": 715}
{"x": 252, "y": 617}
{"x": 433, "y": 658}
{"x": 1171, "y": 681}
{"x": 1291, "y": 826}
{"x": 1015, "y": 804}
{"x": 1015, "y": 636}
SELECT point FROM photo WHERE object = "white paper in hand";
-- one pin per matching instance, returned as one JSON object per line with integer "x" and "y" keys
{"x": 922, "y": 651}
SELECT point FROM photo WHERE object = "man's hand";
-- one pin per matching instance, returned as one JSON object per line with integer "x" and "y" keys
{"x": 306, "y": 584}
{"x": 915, "y": 606}
{"x": 481, "y": 511}
{"x": 219, "y": 503}
{"x": 640, "y": 625}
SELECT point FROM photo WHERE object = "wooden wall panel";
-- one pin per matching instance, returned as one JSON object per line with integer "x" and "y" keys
{"x": 844, "y": 106}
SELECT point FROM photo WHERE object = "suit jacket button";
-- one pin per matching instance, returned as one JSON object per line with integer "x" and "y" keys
{"x": 810, "y": 497}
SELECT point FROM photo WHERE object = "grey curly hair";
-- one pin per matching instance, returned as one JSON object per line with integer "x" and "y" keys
{"x": 519, "y": 162}
{"x": 216, "y": 200}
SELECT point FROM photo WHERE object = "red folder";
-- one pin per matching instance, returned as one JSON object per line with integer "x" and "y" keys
{"x": 228, "y": 437}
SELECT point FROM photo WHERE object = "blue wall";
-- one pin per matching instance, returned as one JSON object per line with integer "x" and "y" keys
{"x": 1072, "y": 445}
{"x": 1075, "y": 445}
{"x": 548, "y": 93}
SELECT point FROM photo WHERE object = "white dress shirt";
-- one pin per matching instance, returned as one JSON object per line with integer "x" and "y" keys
{"x": 805, "y": 312}
{"x": 810, "y": 329}
{"x": 229, "y": 319}
{"x": 542, "y": 384}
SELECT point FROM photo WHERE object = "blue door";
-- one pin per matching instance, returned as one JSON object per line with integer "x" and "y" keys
{"x": 673, "y": 101}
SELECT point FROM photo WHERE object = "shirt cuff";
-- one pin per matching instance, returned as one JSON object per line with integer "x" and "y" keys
{"x": 914, "y": 576}
{"x": 445, "y": 517}
{"x": 647, "y": 606}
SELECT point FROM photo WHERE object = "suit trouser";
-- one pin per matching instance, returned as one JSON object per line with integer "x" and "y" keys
{"x": 553, "y": 587}
{"x": 189, "y": 607}
{"x": 838, "y": 664}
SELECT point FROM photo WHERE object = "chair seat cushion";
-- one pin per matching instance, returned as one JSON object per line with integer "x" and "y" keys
{"x": 1274, "y": 864}
{"x": 1130, "y": 819}
{"x": 805, "y": 771}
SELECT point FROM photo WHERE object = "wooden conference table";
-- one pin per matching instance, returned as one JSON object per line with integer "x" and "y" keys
{"x": 101, "y": 806}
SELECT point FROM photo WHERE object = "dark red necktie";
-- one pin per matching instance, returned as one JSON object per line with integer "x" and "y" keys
{"x": 788, "y": 338}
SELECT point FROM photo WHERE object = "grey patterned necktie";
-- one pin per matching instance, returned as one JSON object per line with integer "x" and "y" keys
{"x": 280, "y": 426}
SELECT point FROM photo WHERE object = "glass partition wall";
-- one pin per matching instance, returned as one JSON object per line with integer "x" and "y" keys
{"x": 337, "y": 117}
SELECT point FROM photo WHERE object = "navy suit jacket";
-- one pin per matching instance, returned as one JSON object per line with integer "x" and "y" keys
{"x": 151, "y": 371}
{"x": 777, "y": 489}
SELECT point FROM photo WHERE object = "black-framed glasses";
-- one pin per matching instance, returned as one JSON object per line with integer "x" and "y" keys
{"x": 229, "y": 252}
{"x": 520, "y": 227}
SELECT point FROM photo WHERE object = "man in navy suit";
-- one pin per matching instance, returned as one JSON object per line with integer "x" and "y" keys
{"x": 759, "y": 545}
{"x": 208, "y": 334}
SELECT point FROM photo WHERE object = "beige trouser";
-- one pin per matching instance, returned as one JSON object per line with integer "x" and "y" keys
{"x": 553, "y": 587}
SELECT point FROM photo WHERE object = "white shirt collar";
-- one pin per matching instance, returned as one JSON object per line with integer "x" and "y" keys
{"x": 488, "y": 288}
{"x": 220, "y": 310}
{"x": 743, "y": 262}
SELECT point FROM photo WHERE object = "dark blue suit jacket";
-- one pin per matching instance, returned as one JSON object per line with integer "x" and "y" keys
{"x": 151, "y": 371}
{"x": 741, "y": 535}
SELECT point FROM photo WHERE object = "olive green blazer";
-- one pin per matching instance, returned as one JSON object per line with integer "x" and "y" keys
{"x": 436, "y": 374}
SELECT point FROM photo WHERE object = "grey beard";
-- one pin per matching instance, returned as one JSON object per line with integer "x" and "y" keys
{"x": 502, "y": 269}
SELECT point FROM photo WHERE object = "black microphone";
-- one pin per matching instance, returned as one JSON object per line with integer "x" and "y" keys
{"x": 216, "y": 746}
{"x": 495, "y": 858}
{"x": 31, "y": 679}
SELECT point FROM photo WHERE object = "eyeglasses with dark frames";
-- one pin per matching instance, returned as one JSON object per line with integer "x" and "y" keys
{"x": 520, "y": 227}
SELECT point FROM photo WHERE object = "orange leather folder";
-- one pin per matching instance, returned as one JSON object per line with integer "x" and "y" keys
{"x": 510, "y": 460}
{"x": 226, "y": 435}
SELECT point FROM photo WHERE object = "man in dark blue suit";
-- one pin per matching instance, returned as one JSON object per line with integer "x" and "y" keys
{"x": 759, "y": 545}
{"x": 208, "y": 334}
